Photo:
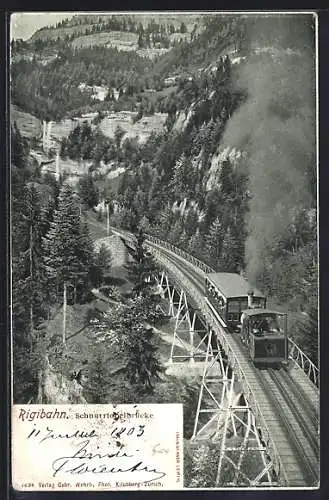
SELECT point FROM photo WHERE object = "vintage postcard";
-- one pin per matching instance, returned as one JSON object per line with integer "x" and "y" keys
{"x": 164, "y": 250}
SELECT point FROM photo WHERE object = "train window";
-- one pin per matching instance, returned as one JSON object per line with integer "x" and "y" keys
{"x": 259, "y": 301}
{"x": 243, "y": 304}
{"x": 233, "y": 306}
{"x": 233, "y": 317}
{"x": 262, "y": 324}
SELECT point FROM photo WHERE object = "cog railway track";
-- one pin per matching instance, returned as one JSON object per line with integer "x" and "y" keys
{"x": 289, "y": 411}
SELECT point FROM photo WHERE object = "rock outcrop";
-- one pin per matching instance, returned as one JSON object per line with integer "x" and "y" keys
{"x": 55, "y": 388}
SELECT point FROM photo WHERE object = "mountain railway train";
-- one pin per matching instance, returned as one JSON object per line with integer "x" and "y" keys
{"x": 241, "y": 308}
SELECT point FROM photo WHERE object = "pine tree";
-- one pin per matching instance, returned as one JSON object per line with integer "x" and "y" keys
{"x": 213, "y": 203}
{"x": 180, "y": 181}
{"x": 143, "y": 366}
{"x": 176, "y": 232}
{"x": 165, "y": 219}
{"x": 86, "y": 257}
{"x": 130, "y": 335}
{"x": 196, "y": 245}
{"x": 142, "y": 269}
{"x": 229, "y": 258}
{"x": 118, "y": 134}
{"x": 34, "y": 256}
{"x": 144, "y": 223}
{"x": 102, "y": 265}
{"x": 140, "y": 202}
{"x": 47, "y": 214}
{"x": 67, "y": 245}
{"x": 98, "y": 380}
{"x": 214, "y": 241}
{"x": 28, "y": 300}
{"x": 19, "y": 148}
{"x": 307, "y": 331}
{"x": 191, "y": 221}
{"x": 226, "y": 180}
{"x": 156, "y": 194}
{"x": 88, "y": 191}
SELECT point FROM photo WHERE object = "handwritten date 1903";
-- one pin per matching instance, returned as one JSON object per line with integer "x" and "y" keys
{"x": 137, "y": 431}
{"x": 116, "y": 433}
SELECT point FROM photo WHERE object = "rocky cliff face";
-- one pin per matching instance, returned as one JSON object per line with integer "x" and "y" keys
{"x": 235, "y": 157}
{"x": 55, "y": 388}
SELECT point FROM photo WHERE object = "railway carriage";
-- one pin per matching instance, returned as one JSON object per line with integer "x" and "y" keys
{"x": 230, "y": 294}
{"x": 241, "y": 308}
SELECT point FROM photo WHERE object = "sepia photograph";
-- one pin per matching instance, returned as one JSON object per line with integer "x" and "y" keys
{"x": 164, "y": 249}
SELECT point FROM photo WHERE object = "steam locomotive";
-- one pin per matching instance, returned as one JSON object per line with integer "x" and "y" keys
{"x": 241, "y": 308}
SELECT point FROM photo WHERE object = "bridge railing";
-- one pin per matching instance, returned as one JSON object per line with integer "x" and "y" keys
{"x": 296, "y": 354}
{"x": 182, "y": 253}
{"x": 302, "y": 360}
{"x": 166, "y": 244}
{"x": 234, "y": 362}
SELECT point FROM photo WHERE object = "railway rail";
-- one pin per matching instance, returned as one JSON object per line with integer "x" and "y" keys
{"x": 305, "y": 426}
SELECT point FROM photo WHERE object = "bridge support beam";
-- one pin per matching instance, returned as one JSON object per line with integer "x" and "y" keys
{"x": 167, "y": 291}
{"x": 224, "y": 419}
{"x": 186, "y": 336}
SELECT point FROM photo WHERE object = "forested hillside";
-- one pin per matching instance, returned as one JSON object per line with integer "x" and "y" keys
{"x": 233, "y": 178}
{"x": 46, "y": 75}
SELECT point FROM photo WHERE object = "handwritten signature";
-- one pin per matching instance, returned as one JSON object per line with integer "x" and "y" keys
{"x": 84, "y": 461}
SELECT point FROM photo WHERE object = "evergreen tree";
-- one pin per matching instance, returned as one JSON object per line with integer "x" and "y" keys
{"x": 28, "y": 301}
{"x": 229, "y": 257}
{"x": 180, "y": 180}
{"x": 142, "y": 269}
{"x": 143, "y": 366}
{"x": 144, "y": 223}
{"x": 191, "y": 222}
{"x": 118, "y": 134}
{"x": 102, "y": 265}
{"x": 214, "y": 242}
{"x": 213, "y": 202}
{"x": 183, "y": 28}
{"x": 98, "y": 383}
{"x": 140, "y": 202}
{"x": 196, "y": 245}
{"x": 86, "y": 257}
{"x": 88, "y": 191}
{"x": 67, "y": 246}
{"x": 226, "y": 180}
{"x": 47, "y": 214}
{"x": 176, "y": 232}
{"x": 164, "y": 220}
{"x": 306, "y": 332}
{"x": 133, "y": 340}
{"x": 156, "y": 195}
{"x": 19, "y": 148}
